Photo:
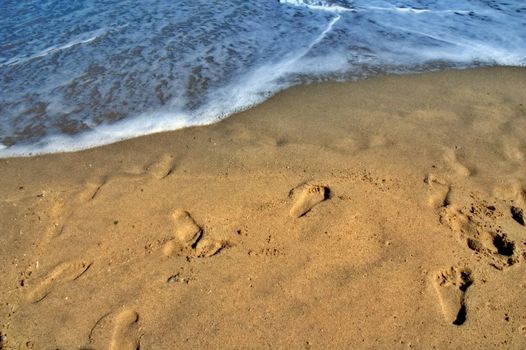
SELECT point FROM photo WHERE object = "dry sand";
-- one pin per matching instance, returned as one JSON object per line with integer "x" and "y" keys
{"x": 377, "y": 214}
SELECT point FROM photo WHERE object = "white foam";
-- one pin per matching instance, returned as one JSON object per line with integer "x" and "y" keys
{"x": 82, "y": 39}
{"x": 411, "y": 10}
{"x": 245, "y": 92}
{"x": 316, "y": 5}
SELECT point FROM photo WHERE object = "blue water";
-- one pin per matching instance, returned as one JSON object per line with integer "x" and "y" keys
{"x": 77, "y": 74}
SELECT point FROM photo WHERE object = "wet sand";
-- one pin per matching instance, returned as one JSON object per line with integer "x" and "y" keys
{"x": 386, "y": 213}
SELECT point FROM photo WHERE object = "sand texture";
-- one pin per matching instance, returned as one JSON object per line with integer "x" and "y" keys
{"x": 386, "y": 213}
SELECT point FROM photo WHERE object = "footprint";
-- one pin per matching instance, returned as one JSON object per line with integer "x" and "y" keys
{"x": 451, "y": 159}
{"x": 58, "y": 215}
{"x": 451, "y": 286}
{"x": 458, "y": 221}
{"x": 61, "y": 209}
{"x": 307, "y": 198}
{"x": 91, "y": 189}
{"x": 163, "y": 168}
{"x": 186, "y": 230}
{"x": 438, "y": 192}
{"x": 494, "y": 245}
{"x": 125, "y": 331}
{"x": 67, "y": 271}
{"x": 207, "y": 247}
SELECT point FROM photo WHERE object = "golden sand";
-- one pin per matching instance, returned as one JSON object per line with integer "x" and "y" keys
{"x": 378, "y": 214}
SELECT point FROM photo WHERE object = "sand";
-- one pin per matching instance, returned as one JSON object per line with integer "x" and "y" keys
{"x": 376, "y": 214}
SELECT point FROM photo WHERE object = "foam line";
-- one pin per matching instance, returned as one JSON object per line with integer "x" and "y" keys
{"x": 323, "y": 34}
{"x": 316, "y": 5}
{"x": 411, "y": 10}
{"x": 78, "y": 41}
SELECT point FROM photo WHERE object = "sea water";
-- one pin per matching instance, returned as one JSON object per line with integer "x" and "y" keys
{"x": 78, "y": 74}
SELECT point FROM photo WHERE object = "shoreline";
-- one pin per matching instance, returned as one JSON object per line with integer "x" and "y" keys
{"x": 73, "y": 141}
{"x": 368, "y": 214}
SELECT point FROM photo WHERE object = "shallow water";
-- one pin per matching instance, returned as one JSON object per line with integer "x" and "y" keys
{"x": 77, "y": 74}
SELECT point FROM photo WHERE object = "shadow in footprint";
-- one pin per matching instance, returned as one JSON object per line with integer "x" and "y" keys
{"x": 518, "y": 215}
